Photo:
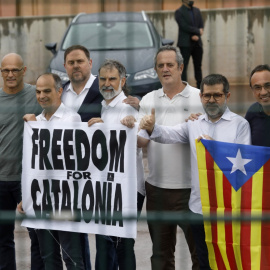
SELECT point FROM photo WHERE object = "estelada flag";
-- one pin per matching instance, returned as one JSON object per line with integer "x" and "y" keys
{"x": 235, "y": 180}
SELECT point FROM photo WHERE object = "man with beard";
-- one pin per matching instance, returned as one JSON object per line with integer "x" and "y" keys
{"x": 218, "y": 123}
{"x": 112, "y": 84}
{"x": 81, "y": 94}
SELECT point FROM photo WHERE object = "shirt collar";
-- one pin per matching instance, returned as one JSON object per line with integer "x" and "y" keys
{"x": 185, "y": 93}
{"x": 86, "y": 87}
{"x": 58, "y": 113}
{"x": 114, "y": 102}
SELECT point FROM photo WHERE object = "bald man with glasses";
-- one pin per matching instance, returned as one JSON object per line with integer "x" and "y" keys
{"x": 16, "y": 98}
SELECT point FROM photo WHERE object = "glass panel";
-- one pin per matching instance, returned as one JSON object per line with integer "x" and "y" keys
{"x": 109, "y": 36}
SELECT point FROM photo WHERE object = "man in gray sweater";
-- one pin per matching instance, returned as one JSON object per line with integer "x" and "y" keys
{"x": 16, "y": 98}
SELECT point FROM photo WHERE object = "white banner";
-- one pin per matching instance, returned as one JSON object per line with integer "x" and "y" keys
{"x": 85, "y": 175}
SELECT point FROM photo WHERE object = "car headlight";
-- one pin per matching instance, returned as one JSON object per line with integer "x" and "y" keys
{"x": 63, "y": 76}
{"x": 146, "y": 74}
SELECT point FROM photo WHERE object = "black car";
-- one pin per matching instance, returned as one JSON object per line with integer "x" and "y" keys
{"x": 128, "y": 37}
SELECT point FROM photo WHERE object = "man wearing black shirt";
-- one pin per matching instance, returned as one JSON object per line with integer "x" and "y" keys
{"x": 190, "y": 23}
{"x": 258, "y": 115}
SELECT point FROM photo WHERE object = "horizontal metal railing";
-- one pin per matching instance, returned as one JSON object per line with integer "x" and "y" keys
{"x": 160, "y": 216}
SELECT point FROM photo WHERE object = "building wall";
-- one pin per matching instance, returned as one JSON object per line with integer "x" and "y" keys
{"x": 235, "y": 40}
{"x": 212, "y": 4}
{"x": 66, "y": 7}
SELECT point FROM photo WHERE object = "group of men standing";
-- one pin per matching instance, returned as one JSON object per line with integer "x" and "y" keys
{"x": 81, "y": 99}
{"x": 172, "y": 184}
{"x": 19, "y": 100}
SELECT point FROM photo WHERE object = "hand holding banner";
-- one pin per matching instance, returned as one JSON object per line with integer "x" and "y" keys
{"x": 84, "y": 175}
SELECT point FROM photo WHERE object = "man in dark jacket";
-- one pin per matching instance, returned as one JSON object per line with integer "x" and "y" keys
{"x": 82, "y": 95}
{"x": 190, "y": 23}
{"x": 258, "y": 115}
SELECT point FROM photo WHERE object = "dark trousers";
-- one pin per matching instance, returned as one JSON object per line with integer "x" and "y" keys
{"x": 49, "y": 244}
{"x": 140, "y": 201}
{"x": 201, "y": 247}
{"x": 163, "y": 235}
{"x": 85, "y": 251}
{"x": 116, "y": 251}
{"x": 196, "y": 52}
{"x": 10, "y": 196}
{"x": 106, "y": 258}
{"x": 36, "y": 260}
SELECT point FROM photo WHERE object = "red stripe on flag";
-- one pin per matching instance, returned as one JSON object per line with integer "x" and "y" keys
{"x": 265, "y": 237}
{"x": 213, "y": 208}
{"x": 246, "y": 195}
{"x": 227, "y": 195}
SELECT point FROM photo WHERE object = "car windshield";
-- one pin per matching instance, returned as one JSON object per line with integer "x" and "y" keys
{"x": 109, "y": 36}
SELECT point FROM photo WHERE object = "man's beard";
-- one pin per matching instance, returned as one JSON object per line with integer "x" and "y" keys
{"x": 78, "y": 79}
{"x": 110, "y": 95}
{"x": 214, "y": 110}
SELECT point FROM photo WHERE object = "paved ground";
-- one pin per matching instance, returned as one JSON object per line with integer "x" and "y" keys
{"x": 142, "y": 246}
{"x": 142, "y": 249}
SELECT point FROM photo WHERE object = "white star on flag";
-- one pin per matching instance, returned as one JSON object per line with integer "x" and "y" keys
{"x": 239, "y": 162}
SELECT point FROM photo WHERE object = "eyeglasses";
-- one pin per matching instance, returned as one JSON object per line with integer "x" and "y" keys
{"x": 258, "y": 88}
{"x": 216, "y": 96}
{"x": 14, "y": 71}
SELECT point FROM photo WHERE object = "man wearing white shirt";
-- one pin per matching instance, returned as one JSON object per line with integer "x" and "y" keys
{"x": 48, "y": 93}
{"x": 112, "y": 83}
{"x": 218, "y": 123}
{"x": 168, "y": 184}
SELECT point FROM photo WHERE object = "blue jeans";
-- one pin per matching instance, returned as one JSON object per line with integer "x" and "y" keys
{"x": 10, "y": 196}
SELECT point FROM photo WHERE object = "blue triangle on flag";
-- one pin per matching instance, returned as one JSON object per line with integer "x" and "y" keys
{"x": 238, "y": 162}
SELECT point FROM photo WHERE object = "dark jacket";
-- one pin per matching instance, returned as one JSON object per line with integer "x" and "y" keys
{"x": 91, "y": 106}
{"x": 186, "y": 27}
{"x": 259, "y": 123}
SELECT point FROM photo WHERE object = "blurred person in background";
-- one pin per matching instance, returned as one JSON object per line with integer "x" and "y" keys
{"x": 190, "y": 24}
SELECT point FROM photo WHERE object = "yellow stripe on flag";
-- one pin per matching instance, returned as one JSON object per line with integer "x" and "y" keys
{"x": 256, "y": 209}
{"x": 236, "y": 226}
{"x": 205, "y": 201}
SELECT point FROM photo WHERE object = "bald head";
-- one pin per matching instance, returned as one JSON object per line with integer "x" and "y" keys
{"x": 13, "y": 70}
{"x": 12, "y": 58}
